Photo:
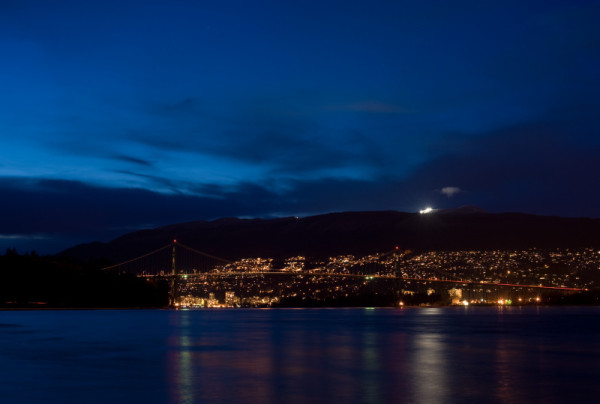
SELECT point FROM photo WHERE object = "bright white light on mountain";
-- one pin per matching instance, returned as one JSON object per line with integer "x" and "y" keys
{"x": 426, "y": 210}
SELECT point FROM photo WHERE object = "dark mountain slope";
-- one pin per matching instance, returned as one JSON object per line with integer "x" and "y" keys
{"x": 356, "y": 233}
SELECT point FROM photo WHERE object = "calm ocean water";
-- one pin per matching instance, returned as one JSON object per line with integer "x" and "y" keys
{"x": 413, "y": 355}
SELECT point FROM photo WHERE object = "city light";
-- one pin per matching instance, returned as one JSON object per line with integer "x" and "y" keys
{"x": 426, "y": 210}
{"x": 432, "y": 277}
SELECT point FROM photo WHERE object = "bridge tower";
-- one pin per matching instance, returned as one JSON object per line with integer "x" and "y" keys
{"x": 173, "y": 285}
{"x": 173, "y": 270}
{"x": 397, "y": 272}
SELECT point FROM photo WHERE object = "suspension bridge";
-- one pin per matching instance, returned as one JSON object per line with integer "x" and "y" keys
{"x": 177, "y": 262}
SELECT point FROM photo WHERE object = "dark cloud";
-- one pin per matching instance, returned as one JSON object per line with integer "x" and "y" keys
{"x": 76, "y": 212}
{"x": 93, "y": 146}
{"x": 284, "y": 134}
{"x": 531, "y": 168}
{"x": 134, "y": 160}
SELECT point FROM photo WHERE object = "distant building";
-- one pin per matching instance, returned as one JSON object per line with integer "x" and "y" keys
{"x": 212, "y": 302}
{"x": 455, "y": 295}
{"x": 294, "y": 264}
{"x": 231, "y": 300}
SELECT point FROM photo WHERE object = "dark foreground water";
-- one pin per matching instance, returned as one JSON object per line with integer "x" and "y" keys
{"x": 424, "y": 355}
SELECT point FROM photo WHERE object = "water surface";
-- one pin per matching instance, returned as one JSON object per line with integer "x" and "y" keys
{"x": 424, "y": 355}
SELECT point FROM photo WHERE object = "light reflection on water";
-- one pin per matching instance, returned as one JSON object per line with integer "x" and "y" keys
{"x": 429, "y": 368}
{"x": 294, "y": 356}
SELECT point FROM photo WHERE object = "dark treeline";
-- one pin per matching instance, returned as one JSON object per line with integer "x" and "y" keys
{"x": 30, "y": 280}
{"x": 591, "y": 297}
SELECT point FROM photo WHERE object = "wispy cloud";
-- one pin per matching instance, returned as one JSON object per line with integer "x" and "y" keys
{"x": 23, "y": 237}
{"x": 372, "y": 107}
{"x": 160, "y": 181}
{"x": 450, "y": 191}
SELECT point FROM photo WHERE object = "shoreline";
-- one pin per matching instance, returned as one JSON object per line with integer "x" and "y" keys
{"x": 287, "y": 307}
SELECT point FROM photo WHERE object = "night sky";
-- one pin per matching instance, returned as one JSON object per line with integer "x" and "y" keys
{"x": 121, "y": 115}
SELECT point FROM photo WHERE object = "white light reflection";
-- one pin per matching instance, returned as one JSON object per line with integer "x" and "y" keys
{"x": 430, "y": 367}
{"x": 430, "y": 311}
{"x": 180, "y": 355}
{"x": 371, "y": 366}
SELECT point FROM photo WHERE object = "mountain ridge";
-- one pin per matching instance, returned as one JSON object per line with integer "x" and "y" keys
{"x": 357, "y": 233}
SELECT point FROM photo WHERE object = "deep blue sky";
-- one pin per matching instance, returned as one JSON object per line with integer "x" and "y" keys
{"x": 119, "y": 115}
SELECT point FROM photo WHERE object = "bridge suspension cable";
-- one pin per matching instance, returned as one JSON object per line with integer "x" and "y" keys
{"x": 138, "y": 258}
{"x": 223, "y": 260}
{"x": 174, "y": 244}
